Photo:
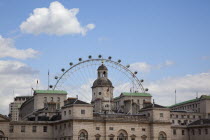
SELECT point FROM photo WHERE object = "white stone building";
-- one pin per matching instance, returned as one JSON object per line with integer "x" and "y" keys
{"x": 131, "y": 116}
{"x": 15, "y": 106}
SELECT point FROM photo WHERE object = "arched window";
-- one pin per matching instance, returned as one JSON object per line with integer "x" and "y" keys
{"x": 83, "y": 135}
{"x": 1, "y": 134}
{"x": 104, "y": 74}
{"x": 162, "y": 136}
{"x": 122, "y": 135}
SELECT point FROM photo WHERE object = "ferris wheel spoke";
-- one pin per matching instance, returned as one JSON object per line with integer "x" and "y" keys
{"x": 79, "y": 77}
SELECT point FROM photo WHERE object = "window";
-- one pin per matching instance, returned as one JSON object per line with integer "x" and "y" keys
{"x": 188, "y": 116}
{"x": 82, "y": 111}
{"x": 69, "y": 112}
{"x": 23, "y": 128}
{"x": 56, "y": 127}
{"x": 64, "y": 125}
{"x": 132, "y": 138}
{"x": 111, "y": 128}
{"x": 97, "y": 128}
{"x": 199, "y": 131}
{"x": 162, "y": 136}
{"x": 99, "y": 93}
{"x": 174, "y": 131}
{"x": 106, "y": 105}
{"x": 58, "y": 99}
{"x": 44, "y": 128}
{"x": 161, "y": 114}
{"x": 97, "y": 138}
{"x": 51, "y": 99}
{"x": 33, "y": 128}
{"x": 177, "y": 116}
{"x": 193, "y": 116}
{"x": 132, "y": 129}
{"x": 182, "y": 132}
{"x": 206, "y": 131}
{"x": 83, "y": 136}
{"x": 193, "y": 132}
{"x": 45, "y": 99}
{"x": 143, "y": 129}
{"x": 148, "y": 114}
{"x": 58, "y": 105}
{"x": 11, "y": 129}
{"x": 111, "y": 138}
{"x": 64, "y": 113}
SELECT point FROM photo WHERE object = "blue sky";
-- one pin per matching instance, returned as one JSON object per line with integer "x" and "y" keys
{"x": 137, "y": 31}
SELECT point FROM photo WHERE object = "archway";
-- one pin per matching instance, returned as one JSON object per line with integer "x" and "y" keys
{"x": 1, "y": 134}
{"x": 83, "y": 135}
{"x": 122, "y": 135}
{"x": 162, "y": 136}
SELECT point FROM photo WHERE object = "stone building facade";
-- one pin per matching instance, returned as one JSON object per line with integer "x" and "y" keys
{"x": 50, "y": 115}
{"x": 15, "y": 106}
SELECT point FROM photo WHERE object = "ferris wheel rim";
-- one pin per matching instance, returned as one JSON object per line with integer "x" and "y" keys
{"x": 102, "y": 60}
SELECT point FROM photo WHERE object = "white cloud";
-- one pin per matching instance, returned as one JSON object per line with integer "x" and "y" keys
{"x": 186, "y": 88}
{"x": 145, "y": 67}
{"x": 141, "y": 66}
{"x": 167, "y": 63}
{"x": 15, "y": 76}
{"x": 55, "y": 20}
{"x": 7, "y": 49}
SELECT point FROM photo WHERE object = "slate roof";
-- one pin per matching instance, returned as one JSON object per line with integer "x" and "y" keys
{"x": 102, "y": 82}
{"x": 102, "y": 67}
{"x": 71, "y": 101}
{"x": 153, "y": 106}
{"x": 134, "y": 94}
{"x": 200, "y": 122}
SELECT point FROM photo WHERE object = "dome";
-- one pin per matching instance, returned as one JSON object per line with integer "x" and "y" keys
{"x": 102, "y": 67}
{"x": 102, "y": 82}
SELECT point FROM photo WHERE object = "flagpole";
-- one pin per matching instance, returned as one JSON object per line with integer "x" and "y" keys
{"x": 48, "y": 80}
{"x": 37, "y": 84}
{"x": 175, "y": 96}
